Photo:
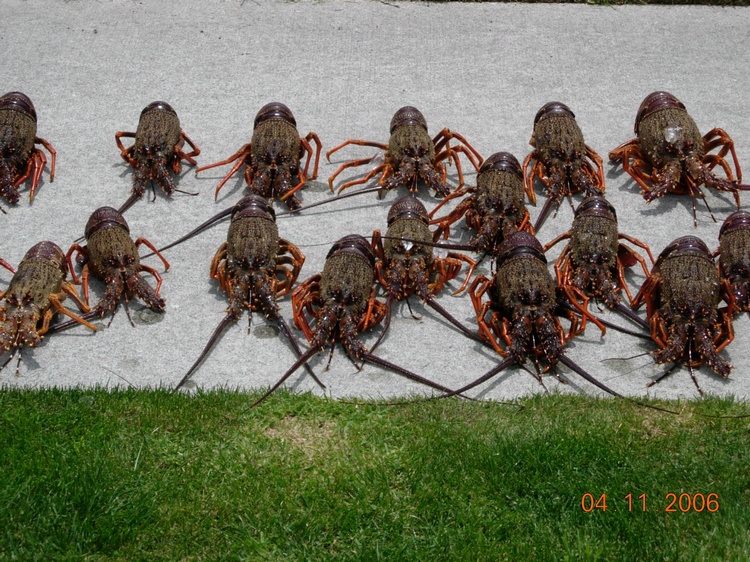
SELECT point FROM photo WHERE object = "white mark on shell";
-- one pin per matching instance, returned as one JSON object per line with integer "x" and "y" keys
{"x": 673, "y": 135}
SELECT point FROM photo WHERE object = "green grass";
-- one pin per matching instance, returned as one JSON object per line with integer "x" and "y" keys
{"x": 151, "y": 475}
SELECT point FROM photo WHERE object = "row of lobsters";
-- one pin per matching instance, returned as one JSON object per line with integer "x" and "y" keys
{"x": 518, "y": 310}
{"x": 668, "y": 155}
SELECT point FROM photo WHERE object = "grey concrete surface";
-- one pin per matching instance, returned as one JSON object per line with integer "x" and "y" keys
{"x": 344, "y": 68}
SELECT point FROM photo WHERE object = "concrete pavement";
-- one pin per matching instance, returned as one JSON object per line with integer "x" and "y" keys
{"x": 344, "y": 68}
